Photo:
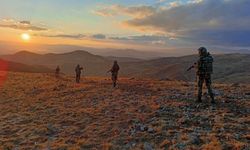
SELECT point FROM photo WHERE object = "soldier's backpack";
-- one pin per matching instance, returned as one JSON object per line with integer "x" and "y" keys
{"x": 206, "y": 65}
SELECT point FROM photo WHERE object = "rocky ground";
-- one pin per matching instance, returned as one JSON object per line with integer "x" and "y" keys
{"x": 38, "y": 111}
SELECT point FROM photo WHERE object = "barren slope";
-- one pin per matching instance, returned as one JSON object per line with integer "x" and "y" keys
{"x": 38, "y": 111}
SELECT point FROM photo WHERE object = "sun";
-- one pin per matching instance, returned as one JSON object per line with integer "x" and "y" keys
{"x": 25, "y": 37}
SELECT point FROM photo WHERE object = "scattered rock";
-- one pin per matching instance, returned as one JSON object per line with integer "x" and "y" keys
{"x": 143, "y": 128}
{"x": 235, "y": 85}
{"x": 150, "y": 130}
{"x": 180, "y": 146}
{"x": 165, "y": 79}
{"x": 130, "y": 145}
{"x": 147, "y": 146}
{"x": 217, "y": 92}
{"x": 144, "y": 109}
{"x": 195, "y": 139}
{"x": 248, "y": 93}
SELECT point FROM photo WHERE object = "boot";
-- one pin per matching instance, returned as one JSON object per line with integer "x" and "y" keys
{"x": 212, "y": 99}
{"x": 198, "y": 99}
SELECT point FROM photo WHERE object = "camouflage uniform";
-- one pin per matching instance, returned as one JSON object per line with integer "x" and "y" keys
{"x": 114, "y": 71}
{"x": 78, "y": 71}
{"x": 204, "y": 71}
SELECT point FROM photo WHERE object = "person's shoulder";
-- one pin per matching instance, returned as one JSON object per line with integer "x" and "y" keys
{"x": 209, "y": 56}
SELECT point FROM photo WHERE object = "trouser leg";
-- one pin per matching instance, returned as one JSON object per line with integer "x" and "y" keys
{"x": 114, "y": 79}
{"x": 77, "y": 78}
{"x": 209, "y": 88}
{"x": 200, "y": 84}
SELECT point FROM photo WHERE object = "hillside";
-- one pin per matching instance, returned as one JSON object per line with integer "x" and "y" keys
{"x": 19, "y": 67}
{"x": 228, "y": 68}
{"x": 40, "y": 112}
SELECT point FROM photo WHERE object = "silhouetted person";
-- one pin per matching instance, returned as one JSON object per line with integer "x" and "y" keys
{"x": 204, "y": 68}
{"x": 114, "y": 71}
{"x": 57, "y": 72}
{"x": 78, "y": 71}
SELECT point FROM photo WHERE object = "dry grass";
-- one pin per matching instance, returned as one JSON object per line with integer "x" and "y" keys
{"x": 39, "y": 111}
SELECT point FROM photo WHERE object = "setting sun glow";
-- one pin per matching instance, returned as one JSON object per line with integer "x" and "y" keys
{"x": 25, "y": 36}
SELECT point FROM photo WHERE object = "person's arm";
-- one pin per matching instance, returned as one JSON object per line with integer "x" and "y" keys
{"x": 118, "y": 68}
{"x": 193, "y": 66}
{"x": 110, "y": 70}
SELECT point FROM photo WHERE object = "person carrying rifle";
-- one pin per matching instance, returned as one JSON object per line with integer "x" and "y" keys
{"x": 57, "y": 72}
{"x": 204, "y": 67}
{"x": 78, "y": 71}
{"x": 114, "y": 72}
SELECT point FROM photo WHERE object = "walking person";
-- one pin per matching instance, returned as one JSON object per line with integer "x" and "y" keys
{"x": 114, "y": 72}
{"x": 57, "y": 72}
{"x": 78, "y": 71}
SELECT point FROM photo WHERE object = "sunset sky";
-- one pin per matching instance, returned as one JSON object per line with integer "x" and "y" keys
{"x": 139, "y": 24}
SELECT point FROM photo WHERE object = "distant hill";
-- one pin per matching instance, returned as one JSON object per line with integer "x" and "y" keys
{"x": 19, "y": 67}
{"x": 125, "y": 59}
{"x": 93, "y": 64}
{"x": 131, "y": 53}
{"x": 227, "y": 67}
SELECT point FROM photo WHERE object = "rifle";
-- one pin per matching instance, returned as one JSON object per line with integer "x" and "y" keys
{"x": 191, "y": 67}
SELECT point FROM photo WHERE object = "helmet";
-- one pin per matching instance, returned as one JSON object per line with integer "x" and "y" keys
{"x": 202, "y": 51}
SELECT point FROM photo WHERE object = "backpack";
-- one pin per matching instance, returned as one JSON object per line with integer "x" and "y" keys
{"x": 205, "y": 65}
{"x": 115, "y": 68}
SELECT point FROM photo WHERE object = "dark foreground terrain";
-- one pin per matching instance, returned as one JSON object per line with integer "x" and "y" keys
{"x": 38, "y": 111}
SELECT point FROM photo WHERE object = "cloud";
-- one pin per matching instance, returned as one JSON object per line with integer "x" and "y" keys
{"x": 99, "y": 36}
{"x": 208, "y": 21}
{"x": 20, "y": 25}
{"x": 25, "y": 22}
{"x": 135, "y": 11}
{"x": 74, "y": 36}
{"x": 148, "y": 39}
{"x": 70, "y": 36}
{"x": 139, "y": 39}
{"x": 215, "y": 22}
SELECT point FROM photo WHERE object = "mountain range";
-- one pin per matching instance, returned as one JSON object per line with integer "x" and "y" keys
{"x": 149, "y": 53}
{"x": 227, "y": 67}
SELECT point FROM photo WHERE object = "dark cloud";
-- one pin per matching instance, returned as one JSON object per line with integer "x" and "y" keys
{"x": 99, "y": 36}
{"x": 220, "y": 37}
{"x": 25, "y": 22}
{"x": 214, "y": 21}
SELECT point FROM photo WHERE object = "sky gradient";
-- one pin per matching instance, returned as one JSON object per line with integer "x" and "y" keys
{"x": 140, "y": 24}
